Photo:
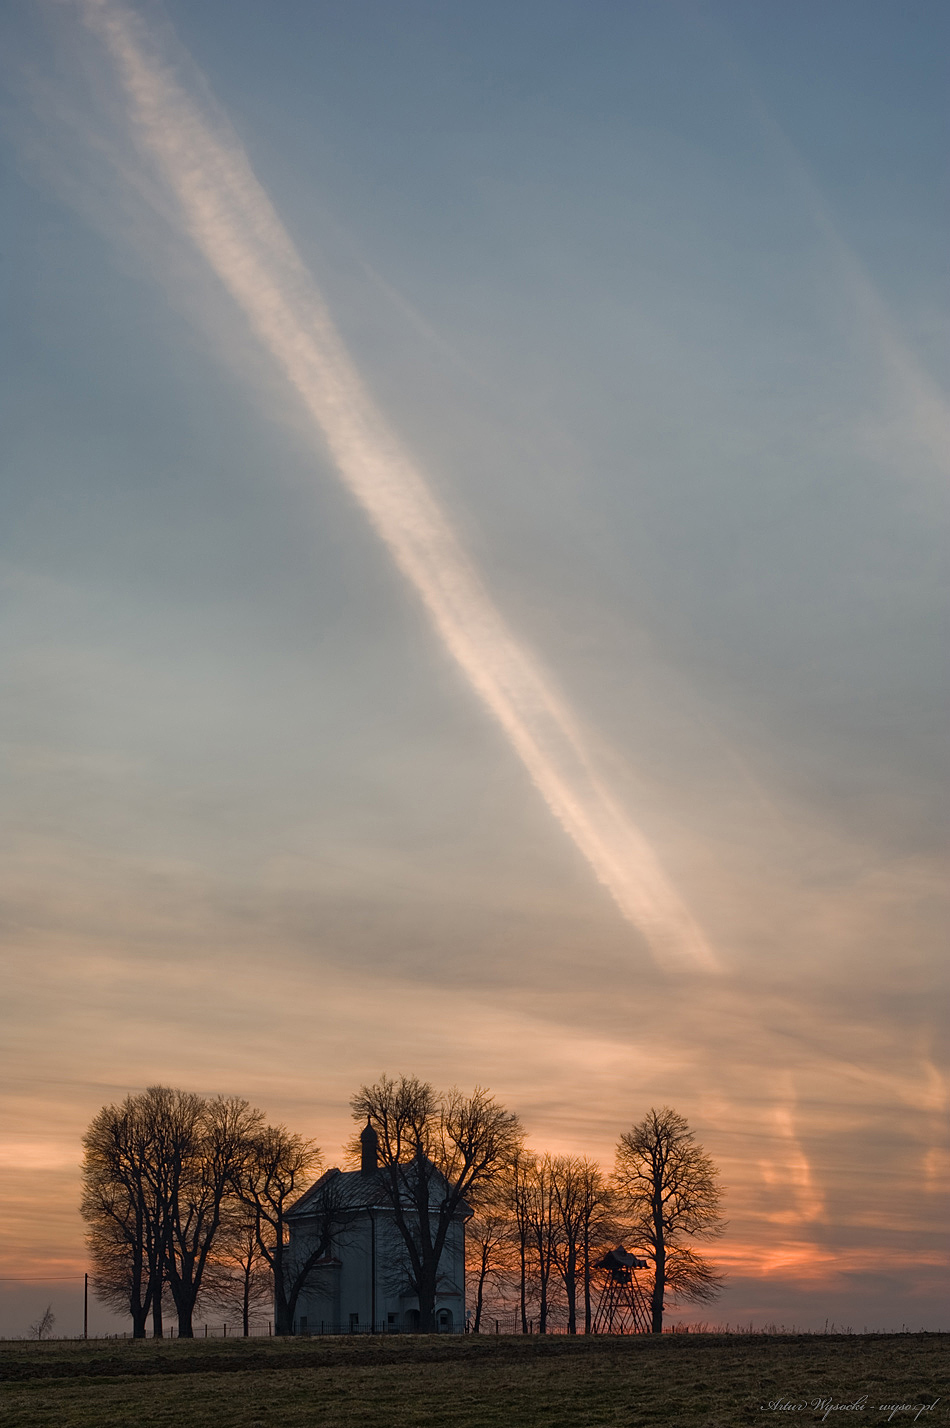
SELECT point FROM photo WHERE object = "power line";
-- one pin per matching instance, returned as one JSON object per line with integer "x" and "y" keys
{"x": 37, "y": 1279}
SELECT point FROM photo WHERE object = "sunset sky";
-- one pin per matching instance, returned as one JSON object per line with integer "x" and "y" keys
{"x": 475, "y": 499}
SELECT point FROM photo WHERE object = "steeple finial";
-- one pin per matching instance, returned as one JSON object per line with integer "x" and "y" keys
{"x": 369, "y": 1149}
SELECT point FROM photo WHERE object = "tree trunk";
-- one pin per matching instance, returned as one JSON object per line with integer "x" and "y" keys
{"x": 284, "y": 1304}
{"x": 426, "y": 1291}
{"x": 542, "y": 1243}
{"x": 656, "y": 1304}
{"x": 184, "y": 1293}
{"x": 287, "y": 1289}
{"x": 283, "y": 1317}
{"x": 283, "y": 1307}
{"x": 544, "y": 1274}
{"x": 480, "y": 1291}
{"x": 138, "y": 1307}
{"x": 659, "y": 1278}
{"x": 157, "y": 1330}
{"x": 659, "y": 1267}
{"x": 570, "y": 1285}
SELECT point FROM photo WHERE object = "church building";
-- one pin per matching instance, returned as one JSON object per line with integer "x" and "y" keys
{"x": 362, "y": 1284}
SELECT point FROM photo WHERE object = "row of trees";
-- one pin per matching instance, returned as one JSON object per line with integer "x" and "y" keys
{"x": 537, "y": 1237}
{"x": 186, "y": 1197}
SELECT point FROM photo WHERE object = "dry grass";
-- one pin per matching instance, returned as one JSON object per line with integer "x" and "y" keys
{"x": 678, "y": 1381}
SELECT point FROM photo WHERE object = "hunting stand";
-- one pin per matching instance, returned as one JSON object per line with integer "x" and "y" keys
{"x": 623, "y": 1307}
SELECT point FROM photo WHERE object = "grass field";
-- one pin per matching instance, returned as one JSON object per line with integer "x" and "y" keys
{"x": 677, "y": 1380}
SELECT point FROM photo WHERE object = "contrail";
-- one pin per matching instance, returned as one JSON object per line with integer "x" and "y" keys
{"x": 234, "y": 225}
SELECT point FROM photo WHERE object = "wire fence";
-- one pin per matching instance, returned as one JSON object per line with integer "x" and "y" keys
{"x": 323, "y": 1329}
{"x": 504, "y": 1324}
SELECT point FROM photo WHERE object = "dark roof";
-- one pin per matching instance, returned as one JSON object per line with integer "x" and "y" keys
{"x": 353, "y": 1190}
{"x": 619, "y": 1258}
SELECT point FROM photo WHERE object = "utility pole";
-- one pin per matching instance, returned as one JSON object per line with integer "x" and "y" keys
{"x": 85, "y": 1307}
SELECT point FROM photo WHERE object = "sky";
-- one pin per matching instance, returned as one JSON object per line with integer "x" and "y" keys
{"x": 473, "y": 554}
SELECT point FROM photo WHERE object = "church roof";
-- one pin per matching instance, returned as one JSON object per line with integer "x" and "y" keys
{"x": 355, "y": 1190}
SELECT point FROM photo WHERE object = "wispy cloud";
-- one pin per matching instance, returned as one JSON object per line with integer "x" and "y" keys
{"x": 793, "y": 1170}
{"x": 920, "y": 407}
{"x": 232, "y": 222}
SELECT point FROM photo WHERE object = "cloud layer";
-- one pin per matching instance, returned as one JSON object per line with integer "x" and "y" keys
{"x": 672, "y": 373}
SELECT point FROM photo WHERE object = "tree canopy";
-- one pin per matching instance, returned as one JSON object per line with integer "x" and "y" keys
{"x": 669, "y": 1188}
{"x": 436, "y": 1152}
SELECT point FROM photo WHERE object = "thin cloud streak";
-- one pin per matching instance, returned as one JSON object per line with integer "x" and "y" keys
{"x": 233, "y": 224}
{"x": 925, "y": 408}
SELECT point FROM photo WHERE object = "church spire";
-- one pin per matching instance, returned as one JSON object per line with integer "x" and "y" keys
{"x": 369, "y": 1150}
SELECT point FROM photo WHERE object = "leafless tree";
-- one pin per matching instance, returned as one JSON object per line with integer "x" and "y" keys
{"x": 598, "y": 1227}
{"x": 279, "y": 1165}
{"x": 544, "y": 1231}
{"x": 204, "y": 1146}
{"x": 435, "y": 1151}
{"x": 488, "y": 1244}
{"x": 158, "y": 1173}
{"x": 527, "y": 1193}
{"x": 239, "y": 1276}
{"x": 567, "y": 1208}
{"x": 669, "y": 1188}
{"x": 580, "y": 1207}
{"x": 122, "y": 1204}
{"x": 559, "y": 1219}
{"x": 43, "y": 1328}
{"x": 515, "y": 1186}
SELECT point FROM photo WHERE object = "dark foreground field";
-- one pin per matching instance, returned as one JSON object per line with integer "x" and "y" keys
{"x": 679, "y": 1381}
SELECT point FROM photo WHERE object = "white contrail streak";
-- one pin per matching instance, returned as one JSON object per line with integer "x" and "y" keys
{"x": 234, "y": 225}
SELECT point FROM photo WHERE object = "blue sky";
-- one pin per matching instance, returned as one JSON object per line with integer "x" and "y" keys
{"x": 655, "y": 297}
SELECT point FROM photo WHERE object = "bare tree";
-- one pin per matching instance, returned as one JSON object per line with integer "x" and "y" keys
{"x": 515, "y": 1186}
{"x": 123, "y": 1206}
{"x": 560, "y": 1218}
{"x": 280, "y": 1163}
{"x": 597, "y": 1227}
{"x": 669, "y": 1186}
{"x": 43, "y": 1328}
{"x": 577, "y": 1193}
{"x": 204, "y": 1146}
{"x": 158, "y": 1173}
{"x": 544, "y": 1231}
{"x": 488, "y": 1250}
{"x": 239, "y": 1276}
{"x": 435, "y": 1150}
